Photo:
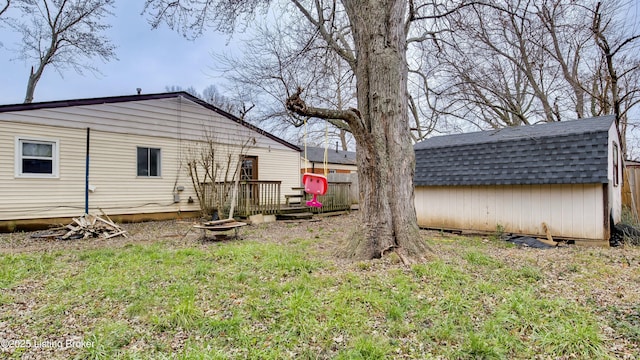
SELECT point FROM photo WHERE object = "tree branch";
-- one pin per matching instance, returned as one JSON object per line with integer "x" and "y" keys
{"x": 2, "y": 11}
{"x": 296, "y": 105}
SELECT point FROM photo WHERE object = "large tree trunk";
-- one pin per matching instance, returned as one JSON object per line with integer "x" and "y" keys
{"x": 385, "y": 155}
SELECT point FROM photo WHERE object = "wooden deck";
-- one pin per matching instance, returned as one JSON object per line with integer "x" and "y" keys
{"x": 264, "y": 197}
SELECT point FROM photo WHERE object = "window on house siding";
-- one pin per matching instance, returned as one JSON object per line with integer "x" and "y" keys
{"x": 36, "y": 158}
{"x": 616, "y": 170}
{"x": 148, "y": 161}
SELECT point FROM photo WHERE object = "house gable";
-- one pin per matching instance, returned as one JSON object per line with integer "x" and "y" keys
{"x": 149, "y": 114}
{"x": 570, "y": 152}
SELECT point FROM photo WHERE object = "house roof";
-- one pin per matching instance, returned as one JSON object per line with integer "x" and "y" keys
{"x": 567, "y": 152}
{"x": 141, "y": 97}
{"x": 316, "y": 154}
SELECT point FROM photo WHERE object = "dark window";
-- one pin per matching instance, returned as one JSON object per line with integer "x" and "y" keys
{"x": 148, "y": 161}
{"x": 37, "y": 157}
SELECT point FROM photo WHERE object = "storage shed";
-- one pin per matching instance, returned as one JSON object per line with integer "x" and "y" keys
{"x": 566, "y": 175}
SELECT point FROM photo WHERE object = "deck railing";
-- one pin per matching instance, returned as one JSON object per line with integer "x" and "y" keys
{"x": 254, "y": 197}
{"x": 258, "y": 197}
{"x": 263, "y": 197}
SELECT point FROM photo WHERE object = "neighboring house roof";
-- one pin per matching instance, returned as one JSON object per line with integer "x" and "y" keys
{"x": 565, "y": 152}
{"x": 316, "y": 154}
{"x": 141, "y": 97}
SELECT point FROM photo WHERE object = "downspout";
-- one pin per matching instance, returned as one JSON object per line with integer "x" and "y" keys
{"x": 86, "y": 177}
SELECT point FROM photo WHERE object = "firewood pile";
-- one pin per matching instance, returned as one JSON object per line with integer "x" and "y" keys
{"x": 86, "y": 226}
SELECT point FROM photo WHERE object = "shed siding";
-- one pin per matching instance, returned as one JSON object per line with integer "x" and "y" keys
{"x": 570, "y": 211}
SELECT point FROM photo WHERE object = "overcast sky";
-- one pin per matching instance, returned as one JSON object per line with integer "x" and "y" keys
{"x": 147, "y": 59}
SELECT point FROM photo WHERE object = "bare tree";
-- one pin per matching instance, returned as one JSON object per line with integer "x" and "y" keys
{"x": 212, "y": 96}
{"x": 213, "y": 169}
{"x": 61, "y": 34}
{"x": 5, "y": 7}
{"x": 281, "y": 54}
{"x": 567, "y": 42}
{"x": 235, "y": 106}
{"x": 531, "y": 61}
{"x": 190, "y": 90}
{"x": 618, "y": 90}
{"x": 496, "y": 72}
{"x": 373, "y": 45}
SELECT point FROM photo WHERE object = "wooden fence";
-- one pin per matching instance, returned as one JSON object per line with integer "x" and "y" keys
{"x": 631, "y": 189}
{"x": 337, "y": 198}
{"x": 347, "y": 178}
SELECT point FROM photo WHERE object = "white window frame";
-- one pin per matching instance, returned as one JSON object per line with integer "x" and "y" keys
{"x": 616, "y": 164}
{"x": 148, "y": 160}
{"x": 55, "y": 157}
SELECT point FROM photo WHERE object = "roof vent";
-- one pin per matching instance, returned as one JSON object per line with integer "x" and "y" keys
{"x": 139, "y": 90}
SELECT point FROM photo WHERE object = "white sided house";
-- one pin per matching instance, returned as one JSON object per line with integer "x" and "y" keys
{"x": 134, "y": 148}
{"x": 565, "y": 175}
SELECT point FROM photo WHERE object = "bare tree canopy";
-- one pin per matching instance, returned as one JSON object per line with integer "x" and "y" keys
{"x": 63, "y": 34}
{"x": 193, "y": 17}
{"x": 538, "y": 61}
{"x": 281, "y": 55}
{"x": 370, "y": 39}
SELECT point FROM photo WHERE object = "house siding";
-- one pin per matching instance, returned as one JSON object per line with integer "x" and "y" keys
{"x": 279, "y": 165}
{"x": 24, "y": 196}
{"x": 117, "y": 129}
{"x": 175, "y": 117}
{"x": 113, "y": 172}
{"x": 570, "y": 211}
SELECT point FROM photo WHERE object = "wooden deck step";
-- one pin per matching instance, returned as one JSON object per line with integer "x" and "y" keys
{"x": 295, "y": 216}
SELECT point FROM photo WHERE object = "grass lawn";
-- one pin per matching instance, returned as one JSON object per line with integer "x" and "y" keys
{"x": 279, "y": 293}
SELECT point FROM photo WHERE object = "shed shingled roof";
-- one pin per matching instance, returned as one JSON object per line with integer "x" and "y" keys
{"x": 568, "y": 152}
